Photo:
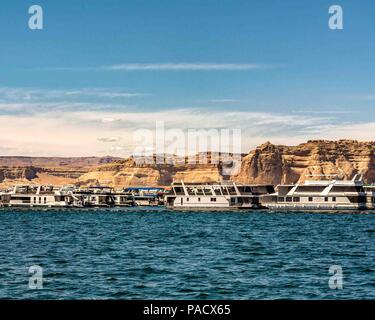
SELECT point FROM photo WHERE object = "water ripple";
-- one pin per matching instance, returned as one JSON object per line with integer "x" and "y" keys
{"x": 152, "y": 253}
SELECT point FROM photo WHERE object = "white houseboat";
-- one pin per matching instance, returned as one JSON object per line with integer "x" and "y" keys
{"x": 95, "y": 196}
{"x": 319, "y": 195}
{"x": 103, "y": 197}
{"x": 36, "y": 196}
{"x": 370, "y": 196}
{"x": 122, "y": 199}
{"x": 4, "y": 199}
{"x": 216, "y": 196}
{"x": 145, "y": 196}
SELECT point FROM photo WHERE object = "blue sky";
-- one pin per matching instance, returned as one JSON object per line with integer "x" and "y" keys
{"x": 272, "y": 68}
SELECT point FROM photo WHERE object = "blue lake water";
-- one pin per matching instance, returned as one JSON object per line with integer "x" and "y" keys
{"x": 160, "y": 254}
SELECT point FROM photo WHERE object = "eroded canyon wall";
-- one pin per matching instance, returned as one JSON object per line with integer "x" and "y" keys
{"x": 268, "y": 163}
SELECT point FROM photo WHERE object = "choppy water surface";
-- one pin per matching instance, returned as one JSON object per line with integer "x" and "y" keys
{"x": 160, "y": 254}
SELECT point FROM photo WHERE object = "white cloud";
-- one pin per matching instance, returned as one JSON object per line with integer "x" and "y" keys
{"x": 193, "y": 66}
{"x": 109, "y": 139}
{"x": 222, "y": 100}
{"x": 108, "y": 120}
{"x": 76, "y": 131}
{"x": 38, "y": 94}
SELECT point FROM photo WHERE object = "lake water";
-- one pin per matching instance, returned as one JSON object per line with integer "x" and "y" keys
{"x": 160, "y": 254}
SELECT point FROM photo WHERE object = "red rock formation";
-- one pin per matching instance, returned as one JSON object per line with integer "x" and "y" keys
{"x": 268, "y": 163}
{"x": 312, "y": 160}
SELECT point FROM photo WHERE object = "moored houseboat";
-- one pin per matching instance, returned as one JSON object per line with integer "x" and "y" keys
{"x": 224, "y": 195}
{"x": 122, "y": 199}
{"x": 4, "y": 199}
{"x": 103, "y": 197}
{"x": 370, "y": 196}
{"x": 95, "y": 196}
{"x": 36, "y": 196}
{"x": 145, "y": 196}
{"x": 320, "y": 195}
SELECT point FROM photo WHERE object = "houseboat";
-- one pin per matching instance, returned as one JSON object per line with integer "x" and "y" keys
{"x": 145, "y": 196}
{"x": 370, "y": 196}
{"x": 95, "y": 196}
{"x": 102, "y": 197}
{"x": 36, "y": 196}
{"x": 224, "y": 195}
{"x": 319, "y": 195}
{"x": 4, "y": 199}
{"x": 122, "y": 199}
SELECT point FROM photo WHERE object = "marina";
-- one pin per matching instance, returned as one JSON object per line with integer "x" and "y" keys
{"x": 310, "y": 195}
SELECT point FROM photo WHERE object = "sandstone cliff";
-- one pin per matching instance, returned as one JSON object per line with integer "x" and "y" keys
{"x": 273, "y": 164}
{"x": 268, "y": 163}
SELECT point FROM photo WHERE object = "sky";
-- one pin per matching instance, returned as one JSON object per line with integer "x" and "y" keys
{"x": 100, "y": 71}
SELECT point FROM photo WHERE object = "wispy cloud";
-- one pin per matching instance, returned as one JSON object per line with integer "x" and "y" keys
{"x": 184, "y": 66}
{"x": 40, "y": 94}
{"x": 109, "y": 139}
{"x": 222, "y": 100}
{"x": 87, "y": 129}
{"x": 322, "y": 112}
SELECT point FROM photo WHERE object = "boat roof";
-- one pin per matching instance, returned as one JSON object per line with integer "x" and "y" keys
{"x": 144, "y": 188}
{"x": 221, "y": 184}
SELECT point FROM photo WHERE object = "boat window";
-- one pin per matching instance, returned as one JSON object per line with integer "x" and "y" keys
{"x": 241, "y": 189}
{"x": 296, "y": 199}
{"x": 244, "y": 189}
{"x": 359, "y": 199}
{"x": 280, "y": 199}
{"x": 218, "y": 190}
{"x": 288, "y": 199}
{"x": 199, "y": 191}
{"x": 213, "y": 199}
{"x": 22, "y": 199}
{"x": 190, "y": 191}
{"x": 207, "y": 191}
{"x": 310, "y": 199}
{"x": 261, "y": 190}
{"x": 347, "y": 189}
{"x": 333, "y": 199}
{"x": 247, "y": 189}
{"x": 199, "y": 199}
{"x": 45, "y": 200}
{"x": 310, "y": 188}
{"x": 225, "y": 191}
{"x": 283, "y": 190}
{"x": 178, "y": 190}
{"x": 326, "y": 199}
{"x": 187, "y": 199}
